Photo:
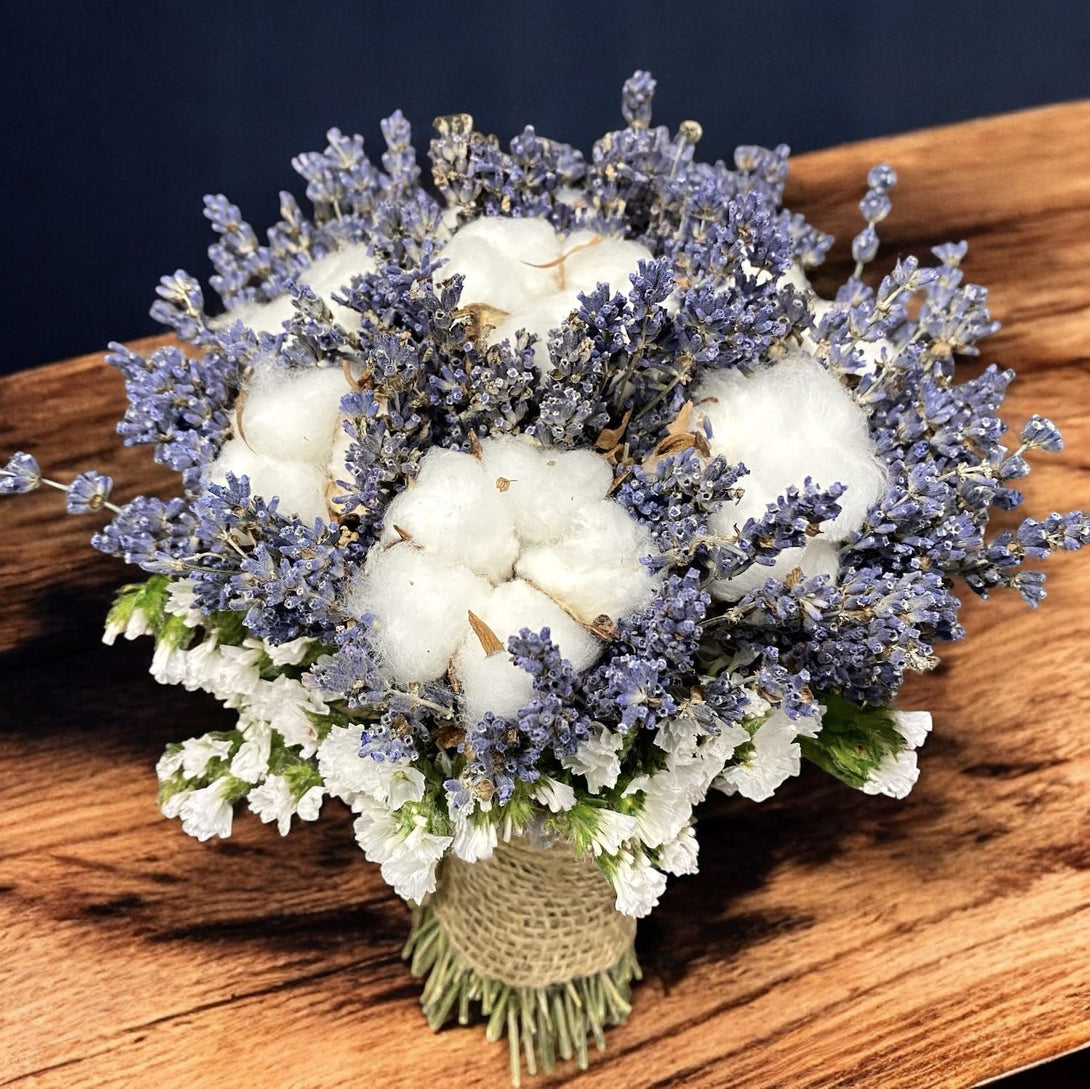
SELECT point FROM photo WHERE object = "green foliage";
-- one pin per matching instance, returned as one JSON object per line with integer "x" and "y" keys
{"x": 853, "y": 740}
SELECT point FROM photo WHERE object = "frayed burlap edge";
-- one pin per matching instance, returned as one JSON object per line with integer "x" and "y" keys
{"x": 533, "y": 939}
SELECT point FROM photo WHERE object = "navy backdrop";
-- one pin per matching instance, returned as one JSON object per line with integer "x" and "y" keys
{"x": 120, "y": 116}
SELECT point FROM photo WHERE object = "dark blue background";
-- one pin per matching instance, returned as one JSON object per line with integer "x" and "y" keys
{"x": 120, "y": 116}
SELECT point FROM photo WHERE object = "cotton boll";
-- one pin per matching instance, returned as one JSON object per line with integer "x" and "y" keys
{"x": 610, "y": 261}
{"x": 494, "y": 683}
{"x": 328, "y": 274}
{"x": 293, "y": 415}
{"x": 455, "y": 510}
{"x": 818, "y": 557}
{"x": 538, "y": 317}
{"x": 497, "y": 256}
{"x": 542, "y": 487}
{"x": 333, "y": 274}
{"x": 419, "y": 602}
{"x": 789, "y": 421}
{"x": 299, "y": 485}
{"x": 595, "y": 569}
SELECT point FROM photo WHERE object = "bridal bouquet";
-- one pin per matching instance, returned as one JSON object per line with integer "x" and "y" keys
{"x": 521, "y": 509}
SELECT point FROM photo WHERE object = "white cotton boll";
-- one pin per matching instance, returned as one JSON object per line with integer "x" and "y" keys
{"x": 455, "y": 511}
{"x": 493, "y": 682}
{"x": 497, "y": 256}
{"x": 328, "y": 274}
{"x": 595, "y": 570}
{"x": 293, "y": 415}
{"x": 299, "y": 485}
{"x": 544, "y": 487}
{"x": 333, "y": 274}
{"x": 610, "y": 261}
{"x": 789, "y": 421}
{"x": 538, "y": 317}
{"x": 419, "y": 603}
{"x": 819, "y": 557}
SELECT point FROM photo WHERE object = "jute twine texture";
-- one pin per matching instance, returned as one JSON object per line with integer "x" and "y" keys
{"x": 530, "y": 917}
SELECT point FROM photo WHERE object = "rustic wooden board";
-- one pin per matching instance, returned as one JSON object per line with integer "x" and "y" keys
{"x": 830, "y": 940}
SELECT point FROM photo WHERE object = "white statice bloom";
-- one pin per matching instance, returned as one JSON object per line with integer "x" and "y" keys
{"x": 207, "y": 812}
{"x": 231, "y": 674}
{"x": 136, "y": 626}
{"x": 168, "y": 664}
{"x": 664, "y": 809}
{"x": 352, "y": 778}
{"x": 181, "y": 601}
{"x": 680, "y": 855}
{"x": 695, "y": 756}
{"x": 787, "y": 421}
{"x": 287, "y": 706}
{"x": 556, "y": 796}
{"x": 774, "y": 757}
{"x": 523, "y": 275}
{"x": 597, "y": 759}
{"x": 285, "y": 654}
{"x": 473, "y": 841}
{"x": 251, "y": 762}
{"x": 897, "y": 773}
{"x": 169, "y": 764}
{"x": 637, "y": 883}
{"x": 273, "y": 800}
{"x": 172, "y": 807}
{"x": 479, "y": 548}
{"x": 611, "y": 831}
{"x": 408, "y": 855}
{"x": 196, "y": 753}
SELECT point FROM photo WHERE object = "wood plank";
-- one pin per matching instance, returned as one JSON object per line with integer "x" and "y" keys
{"x": 830, "y": 940}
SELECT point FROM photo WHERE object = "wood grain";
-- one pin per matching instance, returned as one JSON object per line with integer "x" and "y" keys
{"x": 831, "y": 939}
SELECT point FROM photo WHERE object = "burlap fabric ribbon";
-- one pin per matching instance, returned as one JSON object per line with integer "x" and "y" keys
{"x": 531, "y": 917}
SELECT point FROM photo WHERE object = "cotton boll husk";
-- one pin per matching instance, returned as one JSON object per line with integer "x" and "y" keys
{"x": 819, "y": 557}
{"x": 419, "y": 602}
{"x": 546, "y": 487}
{"x": 497, "y": 256}
{"x": 494, "y": 683}
{"x": 299, "y": 485}
{"x": 791, "y": 420}
{"x": 610, "y": 261}
{"x": 455, "y": 510}
{"x": 293, "y": 415}
{"x": 596, "y": 568}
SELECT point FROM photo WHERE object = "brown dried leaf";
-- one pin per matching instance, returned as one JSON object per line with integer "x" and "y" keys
{"x": 489, "y": 641}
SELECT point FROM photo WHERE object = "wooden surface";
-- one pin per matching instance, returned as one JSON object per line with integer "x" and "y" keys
{"x": 831, "y": 939}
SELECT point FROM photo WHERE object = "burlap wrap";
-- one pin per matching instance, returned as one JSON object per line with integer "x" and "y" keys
{"x": 529, "y": 917}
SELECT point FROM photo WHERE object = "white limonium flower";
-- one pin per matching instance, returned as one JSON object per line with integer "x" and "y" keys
{"x": 521, "y": 274}
{"x": 274, "y": 800}
{"x": 598, "y": 760}
{"x": 787, "y": 422}
{"x": 207, "y": 812}
{"x": 774, "y": 756}
{"x": 480, "y": 547}
{"x": 897, "y": 773}
{"x": 407, "y": 852}
{"x": 352, "y": 778}
{"x": 637, "y": 883}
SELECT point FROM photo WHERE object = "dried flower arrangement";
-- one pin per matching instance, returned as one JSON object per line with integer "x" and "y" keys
{"x": 521, "y": 518}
